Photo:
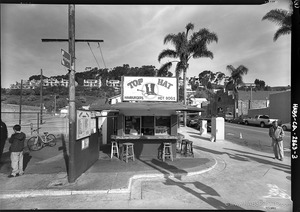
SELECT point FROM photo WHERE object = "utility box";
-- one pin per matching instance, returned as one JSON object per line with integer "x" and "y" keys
{"x": 218, "y": 128}
{"x": 203, "y": 127}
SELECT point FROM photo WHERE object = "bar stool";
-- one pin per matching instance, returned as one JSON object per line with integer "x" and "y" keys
{"x": 183, "y": 146}
{"x": 178, "y": 144}
{"x": 114, "y": 149}
{"x": 167, "y": 151}
{"x": 188, "y": 150}
{"x": 128, "y": 151}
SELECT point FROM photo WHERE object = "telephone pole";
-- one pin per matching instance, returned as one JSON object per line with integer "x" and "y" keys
{"x": 72, "y": 108}
{"x": 20, "y": 112}
{"x": 41, "y": 95}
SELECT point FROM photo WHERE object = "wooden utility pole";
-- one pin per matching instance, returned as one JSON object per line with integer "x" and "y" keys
{"x": 72, "y": 108}
{"x": 54, "y": 104}
{"x": 41, "y": 95}
{"x": 20, "y": 111}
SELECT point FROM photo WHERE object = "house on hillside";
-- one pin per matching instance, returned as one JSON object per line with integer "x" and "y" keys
{"x": 92, "y": 83}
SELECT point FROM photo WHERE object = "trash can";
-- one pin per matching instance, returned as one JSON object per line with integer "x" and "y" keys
{"x": 203, "y": 127}
{"x": 218, "y": 128}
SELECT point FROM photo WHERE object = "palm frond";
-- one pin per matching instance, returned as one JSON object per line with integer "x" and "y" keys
{"x": 230, "y": 68}
{"x": 242, "y": 70}
{"x": 169, "y": 38}
{"x": 277, "y": 16}
{"x": 203, "y": 54}
{"x": 167, "y": 53}
{"x": 189, "y": 27}
{"x": 284, "y": 30}
{"x": 163, "y": 70}
{"x": 204, "y": 35}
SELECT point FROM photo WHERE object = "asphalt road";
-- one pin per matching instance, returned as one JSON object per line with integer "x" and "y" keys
{"x": 254, "y": 137}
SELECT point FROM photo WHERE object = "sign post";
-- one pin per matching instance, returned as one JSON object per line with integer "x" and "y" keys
{"x": 66, "y": 60}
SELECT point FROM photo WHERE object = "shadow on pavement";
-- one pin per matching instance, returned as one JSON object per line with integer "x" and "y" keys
{"x": 244, "y": 157}
{"x": 233, "y": 156}
{"x": 204, "y": 190}
{"x": 200, "y": 137}
{"x": 65, "y": 153}
{"x": 26, "y": 159}
{"x": 165, "y": 168}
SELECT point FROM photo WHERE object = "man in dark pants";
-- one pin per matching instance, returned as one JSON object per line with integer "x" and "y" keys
{"x": 4, "y": 136}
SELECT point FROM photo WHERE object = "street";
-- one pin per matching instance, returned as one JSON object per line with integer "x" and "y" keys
{"x": 243, "y": 178}
{"x": 254, "y": 137}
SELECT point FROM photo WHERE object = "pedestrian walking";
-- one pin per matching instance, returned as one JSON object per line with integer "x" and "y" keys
{"x": 276, "y": 133}
{"x": 4, "y": 136}
{"x": 16, "y": 156}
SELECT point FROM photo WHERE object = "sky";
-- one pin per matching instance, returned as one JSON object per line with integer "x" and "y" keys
{"x": 134, "y": 34}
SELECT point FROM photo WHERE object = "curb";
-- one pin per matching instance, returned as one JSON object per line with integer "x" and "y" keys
{"x": 37, "y": 193}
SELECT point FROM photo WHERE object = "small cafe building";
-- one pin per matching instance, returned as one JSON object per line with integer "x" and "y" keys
{"x": 148, "y": 115}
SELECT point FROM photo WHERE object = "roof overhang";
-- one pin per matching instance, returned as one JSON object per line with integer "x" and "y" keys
{"x": 147, "y": 106}
{"x": 155, "y": 106}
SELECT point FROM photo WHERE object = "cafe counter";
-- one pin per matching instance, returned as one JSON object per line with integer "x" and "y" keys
{"x": 149, "y": 146}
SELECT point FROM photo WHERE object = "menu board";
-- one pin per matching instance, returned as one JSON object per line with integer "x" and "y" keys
{"x": 83, "y": 128}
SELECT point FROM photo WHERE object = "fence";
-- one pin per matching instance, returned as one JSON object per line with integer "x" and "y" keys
{"x": 51, "y": 123}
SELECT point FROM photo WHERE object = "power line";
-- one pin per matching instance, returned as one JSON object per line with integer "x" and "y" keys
{"x": 101, "y": 54}
{"x": 93, "y": 54}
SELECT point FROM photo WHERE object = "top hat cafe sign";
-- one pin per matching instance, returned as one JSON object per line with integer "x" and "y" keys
{"x": 149, "y": 89}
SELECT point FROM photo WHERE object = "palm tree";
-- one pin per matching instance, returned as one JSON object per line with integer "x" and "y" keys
{"x": 186, "y": 48}
{"x": 235, "y": 80}
{"x": 283, "y": 18}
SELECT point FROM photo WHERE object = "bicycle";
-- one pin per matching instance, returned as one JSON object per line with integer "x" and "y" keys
{"x": 38, "y": 141}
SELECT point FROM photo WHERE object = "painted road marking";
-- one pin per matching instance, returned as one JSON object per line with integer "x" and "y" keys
{"x": 276, "y": 192}
{"x": 229, "y": 133}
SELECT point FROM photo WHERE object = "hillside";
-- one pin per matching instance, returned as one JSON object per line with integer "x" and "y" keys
{"x": 33, "y": 103}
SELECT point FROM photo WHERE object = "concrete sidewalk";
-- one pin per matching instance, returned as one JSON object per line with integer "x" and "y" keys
{"x": 223, "y": 165}
{"x": 49, "y": 176}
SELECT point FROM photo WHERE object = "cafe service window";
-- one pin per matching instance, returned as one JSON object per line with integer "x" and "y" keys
{"x": 147, "y": 125}
{"x": 162, "y": 125}
{"x": 133, "y": 125}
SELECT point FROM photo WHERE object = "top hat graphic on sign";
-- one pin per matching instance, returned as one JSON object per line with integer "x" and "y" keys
{"x": 149, "y": 90}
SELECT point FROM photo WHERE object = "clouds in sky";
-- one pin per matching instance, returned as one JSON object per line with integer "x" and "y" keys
{"x": 133, "y": 34}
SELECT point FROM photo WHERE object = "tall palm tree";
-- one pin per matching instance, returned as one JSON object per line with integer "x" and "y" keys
{"x": 235, "y": 80}
{"x": 186, "y": 48}
{"x": 283, "y": 18}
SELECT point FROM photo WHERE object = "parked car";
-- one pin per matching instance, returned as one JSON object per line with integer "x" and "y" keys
{"x": 228, "y": 117}
{"x": 261, "y": 120}
{"x": 192, "y": 121}
{"x": 208, "y": 126}
{"x": 238, "y": 120}
{"x": 286, "y": 126}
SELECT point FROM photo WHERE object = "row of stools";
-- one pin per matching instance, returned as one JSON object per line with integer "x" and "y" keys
{"x": 127, "y": 151}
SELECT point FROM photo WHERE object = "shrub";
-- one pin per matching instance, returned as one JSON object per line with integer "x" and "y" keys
{"x": 12, "y": 101}
{"x": 3, "y": 98}
{"x": 31, "y": 98}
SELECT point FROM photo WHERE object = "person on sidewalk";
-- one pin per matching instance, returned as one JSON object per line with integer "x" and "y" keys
{"x": 17, "y": 145}
{"x": 4, "y": 136}
{"x": 276, "y": 133}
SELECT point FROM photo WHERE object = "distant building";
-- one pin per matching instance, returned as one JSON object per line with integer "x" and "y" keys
{"x": 92, "y": 83}
{"x": 115, "y": 99}
{"x": 247, "y": 102}
{"x": 116, "y": 84}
